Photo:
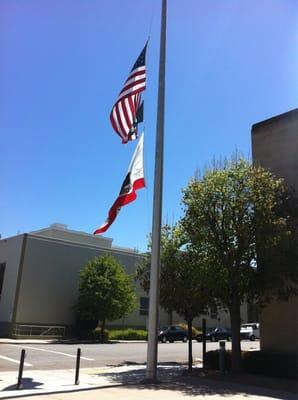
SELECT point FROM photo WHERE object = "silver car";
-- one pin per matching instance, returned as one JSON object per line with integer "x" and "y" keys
{"x": 250, "y": 331}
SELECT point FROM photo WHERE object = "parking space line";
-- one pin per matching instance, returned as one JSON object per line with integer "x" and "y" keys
{"x": 15, "y": 361}
{"x": 52, "y": 351}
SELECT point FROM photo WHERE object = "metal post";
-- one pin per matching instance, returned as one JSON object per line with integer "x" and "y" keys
{"x": 222, "y": 351}
{"x": 204, "y": 342}
{"x": 21, "y": 367}
{"x": 78, "y": 367}
{"x": 157, "y": 210}
{"x": 190, "y": 359}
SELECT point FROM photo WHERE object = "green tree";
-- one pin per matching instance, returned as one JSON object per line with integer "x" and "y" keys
{"x": 106, "y": 292}
{"x": 183, "y": 286}
{"x": 239, "y": 218}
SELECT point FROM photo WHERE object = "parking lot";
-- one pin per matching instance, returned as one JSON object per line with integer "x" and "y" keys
{"x": 42, "y": 356}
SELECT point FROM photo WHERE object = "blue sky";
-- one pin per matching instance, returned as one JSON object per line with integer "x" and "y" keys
{"x": 230, "y": 64}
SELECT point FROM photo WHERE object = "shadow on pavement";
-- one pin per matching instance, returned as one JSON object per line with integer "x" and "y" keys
{"x": 27, "y": 383}
{"x": 172, "y": 378}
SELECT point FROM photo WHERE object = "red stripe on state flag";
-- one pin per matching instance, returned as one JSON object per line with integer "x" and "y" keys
{"x": 133, "y": 181}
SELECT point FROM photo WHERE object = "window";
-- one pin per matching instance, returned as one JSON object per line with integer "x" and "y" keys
{"x": 2, "y": 270}
{"x": 144, "y": 305}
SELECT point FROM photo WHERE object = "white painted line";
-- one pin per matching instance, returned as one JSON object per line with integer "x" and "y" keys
{"x": 52, "y": 351}
{"x": 15, "y": 361}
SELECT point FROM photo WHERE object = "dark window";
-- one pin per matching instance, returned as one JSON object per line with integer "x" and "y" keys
{"x": 144, "y": 305}
{"x": 2, "y": 270}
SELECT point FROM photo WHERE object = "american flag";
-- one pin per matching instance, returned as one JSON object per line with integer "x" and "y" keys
{"x": 125, "y": 113}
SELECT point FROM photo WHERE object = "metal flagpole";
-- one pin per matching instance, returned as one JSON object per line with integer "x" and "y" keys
{"x": 157, "y": 209}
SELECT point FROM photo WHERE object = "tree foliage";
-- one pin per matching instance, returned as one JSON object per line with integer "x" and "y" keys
{"x": 183, "y": 279}
{"x": 183, "y": 287}
{"x": 106, "y": 292}
{"x": 238, "y": 219}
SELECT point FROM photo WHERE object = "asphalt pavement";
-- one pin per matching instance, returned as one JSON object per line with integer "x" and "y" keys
{"x": 47, "y": 379}
{"x": 50, "y": 356}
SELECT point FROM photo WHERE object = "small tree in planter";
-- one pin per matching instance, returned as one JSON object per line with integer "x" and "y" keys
{"x": 106, "y": 292}
{"x": 245, "y": 220}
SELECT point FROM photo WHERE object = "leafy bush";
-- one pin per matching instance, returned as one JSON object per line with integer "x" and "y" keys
{"x": 259, "y": 363}
{"x": 128, "y": 334}
{"x": 271, "y": 364}
{"x": 94, "y": 334}
{"x": 212, "y": 360}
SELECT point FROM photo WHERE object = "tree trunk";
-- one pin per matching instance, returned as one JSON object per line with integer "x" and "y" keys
{"x": 170, "y": 317}
{"x": 235, "y": 327}
{"x": 189, "y": 327}
{"x": 102, "y": 332}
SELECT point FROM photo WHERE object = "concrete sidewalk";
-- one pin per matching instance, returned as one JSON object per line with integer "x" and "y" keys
{"x": 124, "y": 382}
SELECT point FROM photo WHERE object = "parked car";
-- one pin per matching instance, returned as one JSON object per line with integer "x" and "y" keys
{"x": 216, "y": 334}
{"x": 250, "y": 331}
{"x": 172, "y": 333}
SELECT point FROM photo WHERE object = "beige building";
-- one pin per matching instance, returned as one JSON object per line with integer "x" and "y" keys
{"x": 39, "y": 276}
{"x": 275, "y": 147}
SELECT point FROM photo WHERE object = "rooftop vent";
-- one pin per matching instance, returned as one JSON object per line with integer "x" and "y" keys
{"x": 57, "y": 225}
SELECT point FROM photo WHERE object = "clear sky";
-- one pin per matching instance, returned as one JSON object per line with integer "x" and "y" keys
{"x": 230, "y": 63}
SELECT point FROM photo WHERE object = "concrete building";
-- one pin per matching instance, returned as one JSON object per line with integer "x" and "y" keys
{"x": 275, "y": 147}
{"x": 39, "y": 276}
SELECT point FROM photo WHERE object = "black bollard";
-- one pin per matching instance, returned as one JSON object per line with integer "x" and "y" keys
{"x": 21, "y": 367}
{"x": 204, "y": 342}
{"x": 78, "y": 367}
{"x": 222, "y": 351}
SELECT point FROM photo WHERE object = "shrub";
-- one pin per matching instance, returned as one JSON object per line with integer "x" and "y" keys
{"x": 271, "y": 364}
{"x": 128, "y": 334}
{"x": 94, "y": 334}
{"x": 212, "y": 360}
{"x": 259, "y": 363}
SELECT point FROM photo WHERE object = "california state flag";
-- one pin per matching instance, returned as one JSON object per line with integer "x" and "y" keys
{"x": 133, "y": 181}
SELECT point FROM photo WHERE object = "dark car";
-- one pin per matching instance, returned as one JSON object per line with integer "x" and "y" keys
{"x": 216, "y": 334}
{"x": 172, "y": 333}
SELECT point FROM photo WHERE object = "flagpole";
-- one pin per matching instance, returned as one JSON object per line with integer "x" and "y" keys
{"x": 157, "y": 209}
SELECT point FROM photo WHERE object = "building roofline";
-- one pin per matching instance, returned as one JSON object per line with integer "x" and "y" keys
{"x": 70, "y": 231}
{"x": 86, "y": 245}
{"x": 289, "y": 114}
{"x": 3, "y": 239}
{"x": 38, "y": 234}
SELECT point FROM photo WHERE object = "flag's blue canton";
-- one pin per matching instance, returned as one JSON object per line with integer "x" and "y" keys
{"x": 125, "y": 113}
{"x": 141, "y": 59}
